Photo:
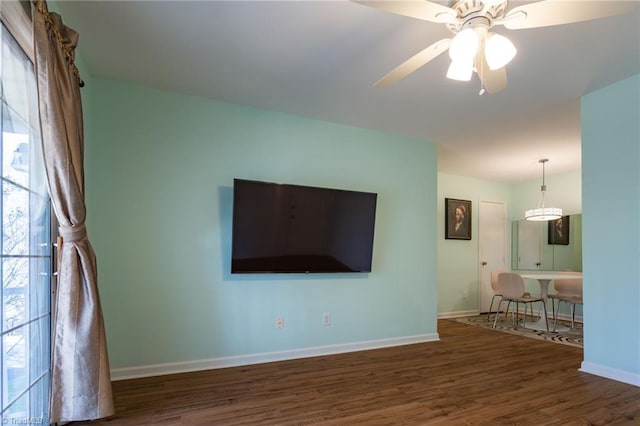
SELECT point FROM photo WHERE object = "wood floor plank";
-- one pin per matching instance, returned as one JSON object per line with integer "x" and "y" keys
{"x": 473, "y": 376}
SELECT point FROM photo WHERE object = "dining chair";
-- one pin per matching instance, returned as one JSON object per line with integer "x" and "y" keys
{"x": 511, "y": 287}
{"x": 494, "y": 288}
{"x": 496, "y": 292}
{"x": 569, "y": 291}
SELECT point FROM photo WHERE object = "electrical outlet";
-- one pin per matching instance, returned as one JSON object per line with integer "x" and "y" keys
{"x": 326, "y": 318}
{"x": 279, "y": 322}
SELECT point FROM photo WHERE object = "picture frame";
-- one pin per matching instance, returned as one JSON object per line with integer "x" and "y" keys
{"x": 457, "y": 219}
{"x": 558, "y": 231}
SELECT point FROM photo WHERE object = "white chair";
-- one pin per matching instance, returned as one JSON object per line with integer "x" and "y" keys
{"x": 569, "y": 291}
{"x": 511, "y": 286}
{"x": 496, "y": 293}
{"x": 494, "y": 288}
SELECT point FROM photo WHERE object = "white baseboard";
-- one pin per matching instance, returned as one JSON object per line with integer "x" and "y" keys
{"x": 610, "y": 373}
{"x": 259, "y": 358}
{"x": 457, "y": 314}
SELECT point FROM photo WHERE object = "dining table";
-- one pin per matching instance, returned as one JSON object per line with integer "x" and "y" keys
{"x": 544, "y": 279}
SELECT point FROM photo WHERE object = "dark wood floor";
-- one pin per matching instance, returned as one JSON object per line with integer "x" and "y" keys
{"x": 472, "y": 376}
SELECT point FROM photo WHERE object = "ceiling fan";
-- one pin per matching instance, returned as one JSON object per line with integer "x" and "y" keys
{"x": 474, "y": 47}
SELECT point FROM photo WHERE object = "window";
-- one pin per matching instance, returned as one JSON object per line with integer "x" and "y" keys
{"x": 25, "y": 252}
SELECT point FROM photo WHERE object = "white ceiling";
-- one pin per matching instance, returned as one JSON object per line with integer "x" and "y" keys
{"x": 320, "y": 58}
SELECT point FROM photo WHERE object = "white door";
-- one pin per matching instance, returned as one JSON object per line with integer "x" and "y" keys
{"x": 492, "y": 231}
{"x": 528, "y": 245}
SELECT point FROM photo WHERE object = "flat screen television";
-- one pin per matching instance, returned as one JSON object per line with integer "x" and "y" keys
{"x": 282, "y": 228}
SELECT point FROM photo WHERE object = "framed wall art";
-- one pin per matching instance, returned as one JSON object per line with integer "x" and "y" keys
{"x": 457, "y": 219}
{"x": 558, "y": 231}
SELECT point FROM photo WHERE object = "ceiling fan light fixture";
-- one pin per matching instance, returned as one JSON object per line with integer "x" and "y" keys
{"x": 542, "y": 213}
{"x": 460, "y": 70}
{"x": 464, "y": 45}
{"x": 498, "y": 51}
{"x": 470, "y": 22}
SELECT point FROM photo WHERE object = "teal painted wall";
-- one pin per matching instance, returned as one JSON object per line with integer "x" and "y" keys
{"x": 159, "y": 174}
{"x": 458, "y": 259}
{"x": 611, "y": 183}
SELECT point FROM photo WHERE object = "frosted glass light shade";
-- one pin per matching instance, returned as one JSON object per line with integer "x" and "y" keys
{"x": 498, "y": 51}
{"x": 464, "y": 45}
{"x": 460, "y": 70}
{"x": 543, "y": 214}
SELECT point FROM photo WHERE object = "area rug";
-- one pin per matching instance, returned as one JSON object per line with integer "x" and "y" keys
{"x": 572, "y": 337}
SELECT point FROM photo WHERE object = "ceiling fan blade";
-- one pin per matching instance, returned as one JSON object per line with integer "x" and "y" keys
{"x": 493, "y": 81}
{"x": 423, "y": 9}
{"x": 557, "y": 12}
{"x": 413, "y": 63}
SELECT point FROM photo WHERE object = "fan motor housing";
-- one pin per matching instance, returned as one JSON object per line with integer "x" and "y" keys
{"x": 472, "y": 13}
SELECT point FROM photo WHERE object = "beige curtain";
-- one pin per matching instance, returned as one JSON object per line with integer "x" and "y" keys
{"x": 80, "y": 378}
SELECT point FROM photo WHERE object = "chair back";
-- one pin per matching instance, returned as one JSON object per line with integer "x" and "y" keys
{"x": 568, "y": 287}
{"x": 510, "y": 285}
{"x": 494, "y": 279}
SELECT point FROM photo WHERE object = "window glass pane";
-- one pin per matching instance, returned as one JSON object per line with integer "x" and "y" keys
{"x": 15, "y": 347}
{"x": 37, "y": 173}
{"x": 25, "y": 248}
{"x": 39, "y": 346}
{"x": 15, "y": 219}
{"x": 15, "y": 153}
{"x": 39, "y": 400}
{"x": 40, "y": 226}
{"x": 18, "y": 412}
{"x": 40, "y": 286}
{"x": 17, "y": 85}
{"x": 15, "y": 287}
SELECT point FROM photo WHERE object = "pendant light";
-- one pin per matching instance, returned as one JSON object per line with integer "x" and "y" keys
{"x": 542, "y": 213}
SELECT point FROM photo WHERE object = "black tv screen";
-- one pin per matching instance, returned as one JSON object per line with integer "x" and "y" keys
{"x": 281, "y": 228}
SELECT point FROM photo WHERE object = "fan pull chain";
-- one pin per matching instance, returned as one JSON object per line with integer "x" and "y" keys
{"x": 482, "y": 89}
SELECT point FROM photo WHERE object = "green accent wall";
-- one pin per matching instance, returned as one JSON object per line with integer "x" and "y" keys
{"x": 611, "y": 228}
{"x": 458, "y": 260}
{"x": 159, "y": 174}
